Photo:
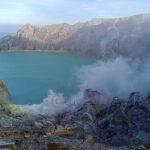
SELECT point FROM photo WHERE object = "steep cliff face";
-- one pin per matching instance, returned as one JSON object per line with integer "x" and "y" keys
{"x": 129, "y": 36}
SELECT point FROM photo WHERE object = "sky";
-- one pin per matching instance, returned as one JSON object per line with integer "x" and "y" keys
{"x": 69, "y": 11}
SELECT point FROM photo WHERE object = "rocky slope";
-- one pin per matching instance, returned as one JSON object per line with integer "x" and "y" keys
{"x": 117, "y": 123}
{"x": 129, "y": 36}
{"x": 94, "y": 124}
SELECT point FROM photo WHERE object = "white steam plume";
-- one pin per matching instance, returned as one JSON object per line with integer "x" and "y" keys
{"x": 114, "y": 77}
{"x": 53, "y": 104}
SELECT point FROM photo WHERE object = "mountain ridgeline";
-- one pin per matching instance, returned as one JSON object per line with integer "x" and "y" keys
{"x": 128, "y": 36}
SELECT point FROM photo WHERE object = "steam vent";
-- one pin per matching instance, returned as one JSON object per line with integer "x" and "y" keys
{"x": 94, "y": 125}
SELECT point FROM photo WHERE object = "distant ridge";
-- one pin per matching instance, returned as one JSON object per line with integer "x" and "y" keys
{"x": 126, "y": 36}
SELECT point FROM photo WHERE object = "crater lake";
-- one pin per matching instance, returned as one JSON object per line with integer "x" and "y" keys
{"x": 30, "y": 74}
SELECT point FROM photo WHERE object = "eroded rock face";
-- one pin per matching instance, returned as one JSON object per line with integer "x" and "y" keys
{"x": 105, "y": 38}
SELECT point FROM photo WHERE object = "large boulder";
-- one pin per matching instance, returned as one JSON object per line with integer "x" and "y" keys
{"x": 4, "y": 94}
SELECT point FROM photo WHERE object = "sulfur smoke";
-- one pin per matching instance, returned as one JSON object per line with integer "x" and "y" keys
{"x": 118, "y": 77}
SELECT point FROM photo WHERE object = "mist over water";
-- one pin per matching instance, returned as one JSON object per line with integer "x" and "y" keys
{"x": 53, "y": 104}
{"x": 29, "y": 75}
{"x": 117, "y": 77}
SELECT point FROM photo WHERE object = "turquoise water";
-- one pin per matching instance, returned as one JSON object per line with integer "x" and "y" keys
{"x": 29, "y": 75}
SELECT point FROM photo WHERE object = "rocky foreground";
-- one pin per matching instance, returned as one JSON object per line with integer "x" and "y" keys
{"x": 95, "y": 124}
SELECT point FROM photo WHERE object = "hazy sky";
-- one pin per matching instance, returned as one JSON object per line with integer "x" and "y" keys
{"x": 53, "y": 11}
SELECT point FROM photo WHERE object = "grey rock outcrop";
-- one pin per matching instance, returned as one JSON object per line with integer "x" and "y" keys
{"x": 122, "y": 122}
{"x": 119, "y": 123}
